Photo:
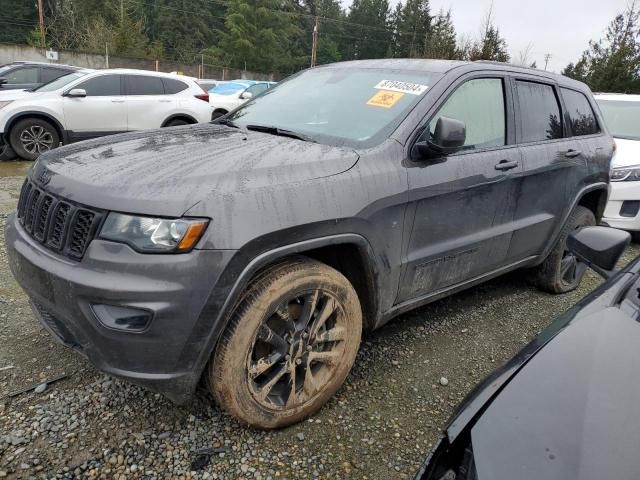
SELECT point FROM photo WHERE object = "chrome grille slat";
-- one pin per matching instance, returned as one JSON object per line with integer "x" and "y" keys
{"x": 59, "y": 225}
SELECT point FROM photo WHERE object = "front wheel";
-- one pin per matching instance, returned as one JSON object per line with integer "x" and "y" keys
{"x": 289, "y": 346}
{"x": 561, "y": 271}
{"x": 31, "y": 137}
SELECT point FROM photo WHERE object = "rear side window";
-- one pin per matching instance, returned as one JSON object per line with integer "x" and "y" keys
{"x": 141, "y": 85}
{"x": 479, "y": 104}
{"x": 103, "y": 86}
{"x": 257, "y": 89}
{"x": 581, "y": 116}
{"x": 23, "y": 75}
{"x": 539, "y": 112}
{"x": 49, "y": 74}
{"x": 172, "y": 86}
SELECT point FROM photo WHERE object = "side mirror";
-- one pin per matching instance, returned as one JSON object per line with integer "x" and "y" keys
{"x": 599, "y": 247}
{"x": 246, "y": 95}
{"x": 3, "y": 80}
{"x": 77, "y": 93}
{"x": 448, "y": 137}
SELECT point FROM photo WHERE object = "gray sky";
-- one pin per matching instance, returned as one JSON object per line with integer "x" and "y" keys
{"x": 562, "y": 28}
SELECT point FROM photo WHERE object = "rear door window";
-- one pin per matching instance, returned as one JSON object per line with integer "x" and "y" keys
{"x": 23, "y": 75}
{"x": 172, "y": 86}
{"x": 581, "y": 117}
{"x": 142, "y": 85}
{"x": 479, "y": 103}
{"x": 539, "y": 117}
{"x": 102, "y": 86}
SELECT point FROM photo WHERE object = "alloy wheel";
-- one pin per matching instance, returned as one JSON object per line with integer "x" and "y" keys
{"x": 36, "y": 139}
{"x": 296, "y": 350}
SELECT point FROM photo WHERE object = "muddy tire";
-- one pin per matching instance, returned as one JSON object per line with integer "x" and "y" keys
{"x": 289, "y": 346}
{"x": 31, "y": 137}
{"x": 561, "y": 271}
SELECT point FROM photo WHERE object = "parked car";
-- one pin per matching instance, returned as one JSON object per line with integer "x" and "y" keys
{"x": 207, "y": 84}
{"x": 565, "y": 406}
{"x": 622, "y": 115}
{"x": 230, "y": 95}
{"x": 256, "y": 251}
{"x": 30, "y": 75}
{"x": 98, "y": 103}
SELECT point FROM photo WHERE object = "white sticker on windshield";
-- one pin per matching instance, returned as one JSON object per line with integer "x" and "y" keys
{"x": 402, "y": 87}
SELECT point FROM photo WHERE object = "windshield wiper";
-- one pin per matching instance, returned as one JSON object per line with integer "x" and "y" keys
{"x": 281, "y": 132}
{"x": 226, "y": 122}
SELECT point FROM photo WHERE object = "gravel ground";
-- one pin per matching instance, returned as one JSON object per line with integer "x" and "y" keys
{"x": 380, "y": 425}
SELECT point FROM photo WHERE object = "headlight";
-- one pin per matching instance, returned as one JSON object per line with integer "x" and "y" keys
{"x": 153, "y": 235}
{"x": 626, "y": 174}
{"x": 4, "y": 104}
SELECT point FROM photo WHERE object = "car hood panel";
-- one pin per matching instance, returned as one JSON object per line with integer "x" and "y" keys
{"x": 571, "y": 412}
{"x": 164, "y": 172}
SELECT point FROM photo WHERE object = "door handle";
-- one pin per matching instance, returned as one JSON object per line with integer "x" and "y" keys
{"x": 571, "y": 153}
{"x": 166, "y": 101}
{"x": 117, "y": 101}
{"x": 506, "y": 165}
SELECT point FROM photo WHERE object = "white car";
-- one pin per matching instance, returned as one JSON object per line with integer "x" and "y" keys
{"x": 622, "y": 114}
{"x": 88, "y": 104}
{"x": 228, "y": 96}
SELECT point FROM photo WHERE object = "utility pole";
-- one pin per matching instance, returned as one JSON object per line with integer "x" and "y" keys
{"x": 314, "y": 43}
{"x": 547, "y": 57}
{"x": 121, "y": 12}
{"x": 41, "y": 19}
{"x": 106, "y": 51}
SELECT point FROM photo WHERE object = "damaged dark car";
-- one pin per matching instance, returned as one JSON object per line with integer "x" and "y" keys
{"x": 563, "y": 407}
{"x": 255, "y": 251}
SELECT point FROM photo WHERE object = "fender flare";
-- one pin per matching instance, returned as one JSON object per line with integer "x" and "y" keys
{"x": 35, "y": 113}
{"x": 583, "y": 191}
{"x": 223, "y": 316}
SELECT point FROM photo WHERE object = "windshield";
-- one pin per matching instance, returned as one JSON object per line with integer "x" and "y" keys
{"x": 339, "y": 106}
{"x": 60, "y": 82}
{"x": 622, "y": 117}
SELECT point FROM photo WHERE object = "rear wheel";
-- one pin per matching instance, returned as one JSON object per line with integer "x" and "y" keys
{"x": 177, "y": 122}
{"x": 217, "y": 114}
{"x": 31, "y": 137}
{"x": 561, "y": 271}
{"x": 290, "y": 344}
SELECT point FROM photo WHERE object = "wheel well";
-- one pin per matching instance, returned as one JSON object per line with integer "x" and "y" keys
{"x": 184, "y": 117}
{"x": 352, "y": 262}
{"x": 221, "y": 110}
{"x": 46, "y": 118}
{"x": 595, "y": 201}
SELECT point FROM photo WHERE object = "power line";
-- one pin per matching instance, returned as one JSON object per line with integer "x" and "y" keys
{"x": 547, "y": 57}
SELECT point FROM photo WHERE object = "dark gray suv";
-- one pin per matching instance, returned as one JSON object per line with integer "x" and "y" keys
{"x": 254, "y": 252}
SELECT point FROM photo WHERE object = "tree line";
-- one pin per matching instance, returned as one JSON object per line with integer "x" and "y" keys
{"x": 259, "y": 35}
{"x": 272, "y": 36}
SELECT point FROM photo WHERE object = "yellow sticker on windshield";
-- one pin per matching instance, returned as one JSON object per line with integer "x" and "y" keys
{"x": 385, "y": 99}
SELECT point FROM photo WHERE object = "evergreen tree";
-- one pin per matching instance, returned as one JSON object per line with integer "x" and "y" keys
{"x": 413, "y": 25}
{"x": 490, "y": 46}
{"x": 441, "y": 40}
{"x": 258, "y": 35}
{"x": 371, "y": 37}
{"x": 612, "y": 64}
{"x": 17, "y": 20}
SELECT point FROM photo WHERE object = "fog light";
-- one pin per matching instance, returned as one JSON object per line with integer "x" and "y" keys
{"x": 122, "y": 318}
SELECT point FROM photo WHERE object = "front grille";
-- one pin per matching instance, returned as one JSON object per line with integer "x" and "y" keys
{"x": 58, "y": 224}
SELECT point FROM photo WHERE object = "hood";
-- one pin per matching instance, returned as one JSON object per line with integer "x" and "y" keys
{"x": 16, "y": 94}
{"x": 164, "y": 172}
{"x": 571, "y": 412}
{"x": 627, "y": 153}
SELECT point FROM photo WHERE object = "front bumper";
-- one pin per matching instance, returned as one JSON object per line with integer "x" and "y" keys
{"x": 622, "y": 208}
{"x": 166, "y": 356}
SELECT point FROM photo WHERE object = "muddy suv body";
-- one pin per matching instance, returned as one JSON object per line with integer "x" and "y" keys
{"x": 346, "y": 230}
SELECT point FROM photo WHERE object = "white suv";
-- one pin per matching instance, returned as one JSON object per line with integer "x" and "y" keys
{"x": 88, "y": 104}
{"x": 622, "y": 115}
